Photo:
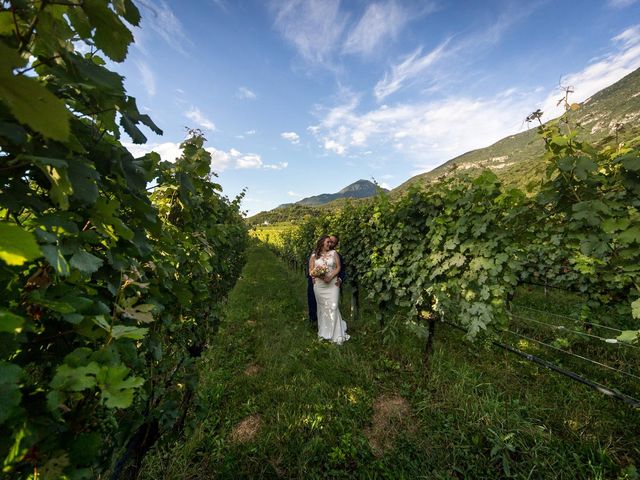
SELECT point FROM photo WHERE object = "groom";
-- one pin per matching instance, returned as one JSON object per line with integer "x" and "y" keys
{"x": 311, "y": 297}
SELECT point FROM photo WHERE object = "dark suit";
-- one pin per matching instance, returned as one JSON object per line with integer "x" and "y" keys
{"x": 311, "y": 296}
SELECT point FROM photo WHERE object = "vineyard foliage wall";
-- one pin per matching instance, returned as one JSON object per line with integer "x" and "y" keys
{"x": 460, "y": 247}
{"x": 112, "y": 268}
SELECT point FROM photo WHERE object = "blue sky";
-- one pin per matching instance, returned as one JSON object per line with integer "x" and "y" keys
{"x": 302, "y": 97}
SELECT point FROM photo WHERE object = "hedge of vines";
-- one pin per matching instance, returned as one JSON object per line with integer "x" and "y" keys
{"x": 460, "y": 247}
{"x": 113, "y": 269}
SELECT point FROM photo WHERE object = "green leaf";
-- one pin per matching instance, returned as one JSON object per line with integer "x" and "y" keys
{"x": 31, "y": 103}
{"x": 75, "y": 379}
{"x": 128, "y": 10}
{"x": 10, "y": 322}
{"x": 55, "y": 258}
{"x": 17, "y": 246}
{"x": 54, "y": 468}
{"x": 123, "y": 331}
{"x": 102, "y": 322}
{"x": 111, "y": 35}
{"x": 61, "y": 187}
{"x": 631, "y": 234}
{"x": 631, "y": 162}
{"x": 141, "y": 313}
{"x": 10, "y": 394}
{"x": 85, "y": 262}
{"x": 635, "y": 308}
{"x": 117, "y": 391}
{"x": 84, "y": 179}
{"x": 132, "y": 130}
{"x": 584, "y": 165}
{"x": 611, "y": 225}
{"x": 629, "y": 336}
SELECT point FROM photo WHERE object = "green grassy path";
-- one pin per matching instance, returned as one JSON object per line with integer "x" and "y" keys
{"x": 277, "y": 403}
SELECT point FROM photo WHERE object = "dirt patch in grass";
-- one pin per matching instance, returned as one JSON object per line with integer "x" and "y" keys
{"x": 252, "y": 370}
{"x": 251, "y": 323}
{"x": 246, "y": 430}
{"x": 391, "y": 415}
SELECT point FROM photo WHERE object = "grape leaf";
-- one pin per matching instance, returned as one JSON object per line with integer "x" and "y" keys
{"x": 10, "y": 322}
{"x": 117, "y": 392}
{"x": 85, "y": 262}
{"x": 17, "y": 246}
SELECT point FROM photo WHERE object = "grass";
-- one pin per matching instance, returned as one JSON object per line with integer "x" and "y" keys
{"x": 275, "y": 402}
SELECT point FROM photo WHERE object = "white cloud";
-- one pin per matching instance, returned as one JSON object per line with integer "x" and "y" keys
{"x": 293, "y": 137}
{"x": 431, "y": 132}
{"x": 245, "y": 94}
{"x": 168, "y": 151}
{"x": 148, "y": 78}
{"x": 379, "y": 22}
{"x": 294, "y": 194}
{"x": 334, "y": 146}
{"x": 220, "y": 160}
{"x": 408, "y": 69}
{"x": 196, "y": 116}
{"x": 608, "y": 69}
{"x": 250, "y": 160}
{"x": 250, "y": 132}
{"x": 313, "y": 27}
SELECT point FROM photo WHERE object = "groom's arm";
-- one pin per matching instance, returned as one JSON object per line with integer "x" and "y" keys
{"x": 343, "y": 271}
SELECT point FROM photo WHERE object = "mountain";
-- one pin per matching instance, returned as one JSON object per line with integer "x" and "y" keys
{"x": 359, "y": 189}
{"x": 609, "y": 115}
{"x": 291, "y": 212}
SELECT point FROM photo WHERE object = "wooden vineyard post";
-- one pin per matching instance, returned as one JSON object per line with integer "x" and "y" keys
{"x": 355, "y": 302}
{"x": 431, "y": 324}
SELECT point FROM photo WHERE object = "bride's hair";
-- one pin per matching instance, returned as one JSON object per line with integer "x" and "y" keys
{"x": 319, "y": 244}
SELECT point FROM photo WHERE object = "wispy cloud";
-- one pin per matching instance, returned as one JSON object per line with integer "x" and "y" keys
{"x": 620, "y": 3}
{"x": 431, "y": 132}
{"x": 379, "y": 22}
{"x": 294, "y": 194}
{"x": 245, "y": 94}
{"x": 410, "y": 68}
{"x": 148, "y": 78}
{"x": 623, "y": 59}
{"x": 196, "y": 116}
{"x": 276, "y": 166}
{"x": 161, "y": 19}
{"x": 313, "y": 27}
{"x": 293, "y": 137}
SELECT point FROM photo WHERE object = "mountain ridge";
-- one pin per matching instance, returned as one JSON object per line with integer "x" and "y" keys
{"x": 358, "y": 189}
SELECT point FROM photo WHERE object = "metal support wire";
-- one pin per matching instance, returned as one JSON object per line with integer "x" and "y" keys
{"x": 566, "y": 316}
{"x": 634, "y": 402}
{"x": 577, "y": 332}
{"x": 586, "y": 359}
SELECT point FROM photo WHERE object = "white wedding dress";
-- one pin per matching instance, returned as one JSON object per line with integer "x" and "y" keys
{"x": 330, "y": 323}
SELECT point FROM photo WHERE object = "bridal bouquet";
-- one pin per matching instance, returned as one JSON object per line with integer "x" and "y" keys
{"x": 319, "y": 271}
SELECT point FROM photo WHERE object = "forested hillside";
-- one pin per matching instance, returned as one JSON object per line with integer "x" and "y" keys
{"x": 611, "y": 115}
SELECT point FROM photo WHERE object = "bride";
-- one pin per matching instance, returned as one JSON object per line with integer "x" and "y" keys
{"x": 324, "y": 266}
